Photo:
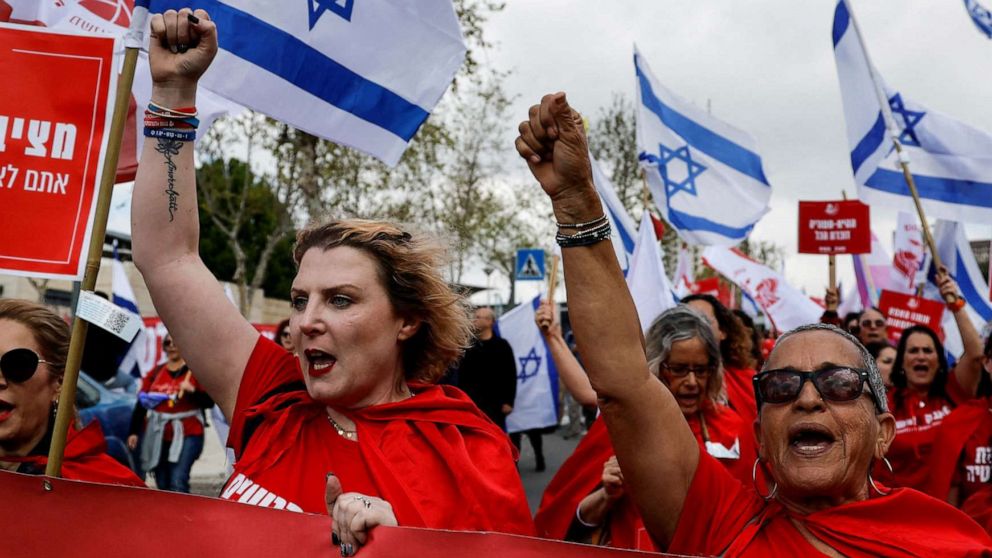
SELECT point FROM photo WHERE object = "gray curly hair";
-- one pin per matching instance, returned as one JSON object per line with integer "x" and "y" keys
{"x": 679, "y": 324}
{"x": 875, "y": 385}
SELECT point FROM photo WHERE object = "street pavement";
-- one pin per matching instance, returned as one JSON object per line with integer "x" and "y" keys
{"x": 210, "y": 472}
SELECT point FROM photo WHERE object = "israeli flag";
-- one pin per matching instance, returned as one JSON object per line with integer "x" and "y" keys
{"x": 950, "y": 161}
{"x": 363, "y": 73}
{"x": 981, "y": 16}
{"x": 623, "y": 230}
{"x": 705, "y": 175}
{"x": 955, "y": 253}
{"x": 536, "y": 405}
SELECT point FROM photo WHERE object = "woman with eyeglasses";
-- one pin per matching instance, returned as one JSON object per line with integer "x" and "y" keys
{"x": 586, "y": 501}
{"x": 822, "y": 413}
{"x": 926, "y": 390}
{"x": 735, "y": 349}
{"x": 170, "y": 417}
{"x": 352, "y": 425}
{"x": 284, "y": 338}
{"x": 34, "y": 343}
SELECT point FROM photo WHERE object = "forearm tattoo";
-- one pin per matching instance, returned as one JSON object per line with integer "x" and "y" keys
{"x": 170, "y": 148}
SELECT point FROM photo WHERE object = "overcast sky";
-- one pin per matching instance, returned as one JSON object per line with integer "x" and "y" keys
{"x": 767, "y": 66}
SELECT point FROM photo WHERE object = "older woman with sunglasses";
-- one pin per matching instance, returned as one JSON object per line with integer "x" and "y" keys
{"x": 350, "y": 425}
{"x": 822, "y": 413}
{"x": 926, "y": 391}
{"x": 586, "y": 500}
{"x": 34, "y": 342}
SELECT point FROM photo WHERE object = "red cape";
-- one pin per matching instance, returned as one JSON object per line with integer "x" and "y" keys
{"x": 85, "y": 458}
{"x": 955, "y": 430}
{"x": 434, "y": 457}
{"x": 582, "y": 472}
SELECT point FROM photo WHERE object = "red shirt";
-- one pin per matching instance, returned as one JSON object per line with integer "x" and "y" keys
{"x": 722, "y": 516}
{"x": 740, "y": 391}
{"x": 163, "y": 381}
{"x": 435, "y": 457}
{"x": 975, "y": 469}
{"x": 582, "y": 472}
{"x": 918, "y": 422}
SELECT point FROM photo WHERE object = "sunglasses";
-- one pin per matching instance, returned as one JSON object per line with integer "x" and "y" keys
{"x": 18, "y": 365}
{"x": 166, "y": 343}
{"x": 870, "y": 323}
{"x": 838, "y": 383}
{"x": 284, "y": 335}
{"x": 683, "y": 370}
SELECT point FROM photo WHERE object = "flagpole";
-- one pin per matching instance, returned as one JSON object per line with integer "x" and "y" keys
{"x": 893, "y": 131}
{"x": 67, "y": 396}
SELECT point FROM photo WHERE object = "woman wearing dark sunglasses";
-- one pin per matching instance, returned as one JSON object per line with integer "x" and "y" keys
{"x": 33, "y": 346}
{"x": 927, "y": 391}
{"x": 586, "y": 500}
{"x": 822, "y": 414}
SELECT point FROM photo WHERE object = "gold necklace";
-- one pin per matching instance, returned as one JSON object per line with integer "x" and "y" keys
{"x": 346, "y": 434}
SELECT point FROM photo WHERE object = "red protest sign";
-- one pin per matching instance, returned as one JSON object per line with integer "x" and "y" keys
{"x": 712, "y": 286}
{"x": 902, "y": 311}
{"x": 54, "y": 111}
{"x": 834, "y": 227}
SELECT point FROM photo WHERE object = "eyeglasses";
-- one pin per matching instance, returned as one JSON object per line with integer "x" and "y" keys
{"x": 834, "y": 384}
{"x": 871, "y": 323}
{"x": 166, "y": 343}
{"x": 18, "y": 365}
{"x": 284, "y": 334}
{"x": 683, "y": 370}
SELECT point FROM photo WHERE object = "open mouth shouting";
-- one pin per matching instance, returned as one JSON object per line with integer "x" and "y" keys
{"x": 319, "y": 363}
{"x": 810, "y": 439}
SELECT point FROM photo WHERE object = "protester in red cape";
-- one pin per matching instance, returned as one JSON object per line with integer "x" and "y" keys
{"x": 926, "y": 392}
{"x": 586, "y": 500}
{"x": 735, "y": 349}
{"x": 169, "y": 416}
{"x": 966, "y": 434}
{"x": 817, "y": 438}
{"x": 351, "y": 424}
{"x": 283, "y": 336}
{"x": 34, "y": 343}
{"x": 885, "y": 357}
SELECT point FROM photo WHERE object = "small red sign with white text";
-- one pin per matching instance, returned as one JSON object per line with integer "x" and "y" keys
{"x": 834, "y": 227}
{"x": 55, "y": 109}
{"x": 902, "y": 311}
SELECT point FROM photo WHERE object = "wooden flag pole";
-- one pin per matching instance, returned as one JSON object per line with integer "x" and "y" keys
{"x": 832, "y": 268}
{"x": 67, "y": 397}
{"x": 553, "y": 279}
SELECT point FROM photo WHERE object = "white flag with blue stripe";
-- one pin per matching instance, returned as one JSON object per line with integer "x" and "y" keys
{"x": 536, "y": 405}
{"x": 705, "y": 175}
{"x": 647, "y": 280}
{"x": 955, "y": 253}
{"x": 363, "y": 73}
{"x": 951, "y": 162}
{"x": 623, "y": 232}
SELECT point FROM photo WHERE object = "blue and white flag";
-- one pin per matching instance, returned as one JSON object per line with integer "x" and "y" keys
{"x": 536, "y": 405}
{"x": 955, "y": 253}
{"x": 363, "y": 73}
{"x": 123, "y": 295}
{"x": 705, "y": 175}
{"x": 980, "y": 15}
{"x": 647, "y": 280}
{"x": 623, "y": 230}
{"x": 951, "y": 162}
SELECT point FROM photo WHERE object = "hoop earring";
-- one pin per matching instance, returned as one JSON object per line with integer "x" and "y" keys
{"x": 754, "y": 480}
{"x": 871, "y": 481}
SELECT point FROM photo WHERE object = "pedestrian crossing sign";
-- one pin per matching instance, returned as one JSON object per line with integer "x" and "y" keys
{"x": 530, "y": 264}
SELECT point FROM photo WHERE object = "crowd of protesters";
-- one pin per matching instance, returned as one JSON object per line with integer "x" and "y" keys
{"x": 831, "y": 443}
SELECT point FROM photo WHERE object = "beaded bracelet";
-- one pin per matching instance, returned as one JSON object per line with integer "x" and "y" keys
{"x": 596, "y": 221}
{"x": 585, "y": 238}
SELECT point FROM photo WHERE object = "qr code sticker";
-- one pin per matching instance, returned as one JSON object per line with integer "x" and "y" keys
{"x": 117, "y": 322}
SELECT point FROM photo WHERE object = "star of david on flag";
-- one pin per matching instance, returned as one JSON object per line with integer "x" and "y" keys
{"x": 951, "y": 162}
{"x": 705, "y": 175}
{"x": 536, "y": 404}
{"x": 365, "y": 73}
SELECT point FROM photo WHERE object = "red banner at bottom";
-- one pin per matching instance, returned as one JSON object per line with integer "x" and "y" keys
{"x": 55, "y": 518}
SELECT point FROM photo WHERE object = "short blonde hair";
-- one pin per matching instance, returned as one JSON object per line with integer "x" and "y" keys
{"x": 410, "y": 270}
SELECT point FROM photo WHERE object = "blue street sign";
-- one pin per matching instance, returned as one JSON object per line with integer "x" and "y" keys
{"x": 530, "y": 264}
